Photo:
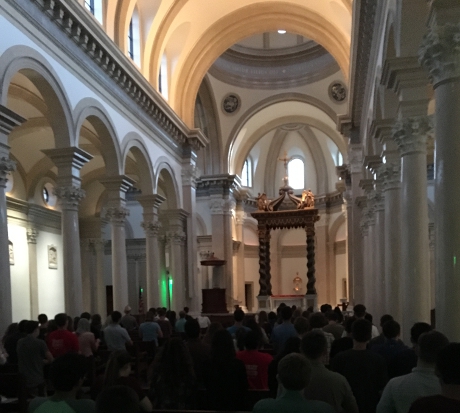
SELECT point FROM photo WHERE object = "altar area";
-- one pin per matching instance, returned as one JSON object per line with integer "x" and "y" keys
{"x": 298, "y": 300}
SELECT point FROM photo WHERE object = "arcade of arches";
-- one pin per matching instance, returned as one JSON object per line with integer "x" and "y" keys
{"x": 135, "y": 136}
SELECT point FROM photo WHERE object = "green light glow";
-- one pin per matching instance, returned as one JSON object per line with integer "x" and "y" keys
{"x": 455, "y": 260}
{"x": 142, "y": 290}
{"x": 163, "y": 291}
{"x": 170, "y": 281}
{"x": 170, "y": 291}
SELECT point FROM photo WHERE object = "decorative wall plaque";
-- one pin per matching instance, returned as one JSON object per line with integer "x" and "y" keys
{"x": 52, "y": 257}
{"x": 231, "y": 103}
{"x": 11, "y": 252}
{"x": 338, "y": 92}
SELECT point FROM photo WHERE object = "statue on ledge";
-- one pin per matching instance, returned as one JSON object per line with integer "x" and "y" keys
{"x": 308, "y": 200}
{"x": 262, "y": 202}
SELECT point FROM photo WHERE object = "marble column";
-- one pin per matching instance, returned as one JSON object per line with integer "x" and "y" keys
{"x": 440, "y": 54}
{"x": 116, "y": 214}
{"x": 69, "y": 161}
{"x": 32, "y": 234}
{"x": 88, "y": 265}
{"x": 8, "y": 121}
{"x": 392, "y": 190}
{"x": 101, "y": 299}
{"x": 240, "y": 215}
{"x": 410, "y": 134}
{"x": 361, "y": 203}
{"x": 152, "y": 227}
{"x": 432, "y": 265}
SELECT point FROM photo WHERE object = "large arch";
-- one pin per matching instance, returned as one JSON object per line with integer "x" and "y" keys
{"x": 242, "y": 23}
{"x": 162, "y": 168}
{"x": 27, "y": 61}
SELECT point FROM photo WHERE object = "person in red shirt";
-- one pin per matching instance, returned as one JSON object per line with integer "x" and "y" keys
{"x": 62, "y": 341}
{"x": 256, "y": 362}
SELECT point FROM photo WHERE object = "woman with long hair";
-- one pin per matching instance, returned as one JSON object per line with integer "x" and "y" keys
{"x": 225, "y": 376}
{"x": 172, "y": 378}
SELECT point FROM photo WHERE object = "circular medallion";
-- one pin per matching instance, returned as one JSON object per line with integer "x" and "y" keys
{"x": 338, "y": 92}
{"x": 230, "y": 103}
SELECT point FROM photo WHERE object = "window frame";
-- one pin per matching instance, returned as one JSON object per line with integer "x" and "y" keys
{"x": 300, "y": 158}
{"x": 249, "y": 173}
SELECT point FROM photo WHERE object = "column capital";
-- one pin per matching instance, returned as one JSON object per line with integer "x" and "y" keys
{"x": 117, "y": 215}
{"x": 392, "y": 176}
{"x": 32, "y": 235}
{"x": 151, "y": 228}
{"x": 117, "y": 186}
{"x": 151, "y": 201}
{"x": 220, "y": 206}
{"x": 439, "y": 52}
{"x": 176, "y": 237}
{"x": 190, "y": 174}
{"x": 6, "y": 167}
{"x": 220, "y": 184}
{"x": 410, "y": 134}
{"x": 69, "y": 196}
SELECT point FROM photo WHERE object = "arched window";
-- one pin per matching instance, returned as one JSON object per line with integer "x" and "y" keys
{"x": 246, "y": 173}
{"x": 134, "y": 41}
{"x": 95, "y": 8}
{"x": 296, "y": 173}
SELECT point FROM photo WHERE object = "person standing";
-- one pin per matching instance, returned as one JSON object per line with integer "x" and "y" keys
{"x": 62, "y": 341}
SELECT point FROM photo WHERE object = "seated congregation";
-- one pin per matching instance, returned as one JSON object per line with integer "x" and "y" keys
{"x": 285, "y": 361}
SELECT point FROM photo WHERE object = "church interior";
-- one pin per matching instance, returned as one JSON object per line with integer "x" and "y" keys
{"x": 138, "y": 136}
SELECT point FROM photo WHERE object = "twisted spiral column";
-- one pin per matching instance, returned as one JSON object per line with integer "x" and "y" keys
{"x": 311, "y": 279}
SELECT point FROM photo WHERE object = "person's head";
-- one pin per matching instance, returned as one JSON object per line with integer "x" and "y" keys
{"x": 127, "y": 309}
{"x": 348, "y": 324}
{"x": 294, "y": 372}
{"x": 448, "y": 365}
{"x": 117, "y": 399}
{"x": 32, "y": 328}
{"x": 192, "y": 329}
{"x": 429, "y": 345}
{"x": 292, "y": 345}
{"x": 251, "y": 340}
{"x": 86, "y": 315}
{"x": 222, "y": 346}
{"x": 96, "y": 320}
{"x": 263, "y": 318}
{"x": 368, "y": 317}
{"x": 359, "y": 311}
{"x": 42, "y": 319}
{"x": 67, "y": 372}
{"x": 306, "y": 314}
{"x": 52, "y": 326}
{"x": 325, "y": 308}
{"x": 238, "y": 315}
{"x": 286, "y": 313}
{"x": 385, "y": 318}
{"x": 116, "y": 317}
{"x": 182, "y": 314}
{"x": 61, "y": 320}
{"x": 83, "y": 326}
{"x": 118, "y": 365}
{"x": 162, "y": 312}
{"x": 314, "y": 345}
{"x": 149, "y": 316}
{"x": 272, "y": 316}
{"x": 339, "y": 313}
{"x": 317, "y": 320}
{"x": 417, "y": 330}
{"x": 391, "y": 329}
{"x": 301, "y": 326}
{"x": 332, "y": 317}
{"x": 186, "y": 310}
{"x": 362, "y": 330}
{"x": 11, "y": 329}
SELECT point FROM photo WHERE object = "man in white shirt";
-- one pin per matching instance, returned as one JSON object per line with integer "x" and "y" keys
{"x": 402, "y": 391}
{"x": 115, "y": 336}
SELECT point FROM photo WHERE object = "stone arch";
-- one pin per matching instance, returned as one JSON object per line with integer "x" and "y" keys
{"x": 133, "y": 143}
{"x": 333, "y": 229}
{"x": 25, "y": 60}
{"x": 201, "y": 227}
{"x": 92, "y": 110}
{"x": 163, "y": 170}
{"x": 244, "y": 22}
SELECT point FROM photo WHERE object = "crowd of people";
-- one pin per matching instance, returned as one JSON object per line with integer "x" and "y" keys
{"x": 293, "y": 360}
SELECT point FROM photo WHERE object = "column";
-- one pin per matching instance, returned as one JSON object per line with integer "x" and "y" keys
{"x": 116, "y": 214}
{"x": 440, "y": 54}
{"x": 88, "y": 265}
{"x": 32, "y": 234}
{"x": 176, "y": 237}
{"x": 152, "y": 227}
{"x": 410, "y": 135}
{"x": 8, "y": 121}
{"x": 392, "y": 190}
{"x": 240, "y": 215}
{"x": 356, "y": 174}
{"x": 361, "y": 203}
{"x": 189, "y": 176}
{"x": 264, "y": 267}
{"x": 69, "y": 161}
{"x": 101, "y": 299}
{"x": 432, "y": 265}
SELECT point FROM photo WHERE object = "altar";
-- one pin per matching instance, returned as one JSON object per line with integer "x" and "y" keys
{"x": 298, "y": 300}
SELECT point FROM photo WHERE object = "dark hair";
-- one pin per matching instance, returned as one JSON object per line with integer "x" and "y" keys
{"x": 52, "y": 326}
{"x": 22, "y": 326}
{"x": 263, "y": 318}
{"x": 272, "y": 315}
{"x": 368, "y": 317}
{"x": 60, "y": 319}
{"x": 286, "y": 313}
{"x": 182, "y": 314}
{"x": 391, "y": 329}
{"x": 359, "y": 310}
{"x": 42, "y": 318}
{"x": 186, "y": 309}
{"x": 117, "y": 360}
{"x": 385, "y": 318}
{"x": 292, "y": 345}
{"x": 238, "y": 314}
{"x": 325, "y": 308}
{"x": 339, "y": 313}
{"x": 314, "y": 344}
{"x": 301, "y": 325}
{"x": 86, "y": 315}
{"x": 31, "y": 326}
{"x": 294, "y": 372}
{"x": 429, "y": 345}
{"x": 448, "y": 364}
{"x": 332, "y": 316}
{"x": 161, "y": 312}
{"x": 222, "y": 348}
{"x": 251, "y": 340}
{"x": 349, "y": 324}
{"x": 117, "y": 399}
{"x": 11, "y": 329}
{"x": 66, "y": 371}
{"x": 362, "y": 330}
{"x": 192, "y": 328}
{"x": 96, "y": 320}
{"x": 417, "y": 330}
{"x": 317, "y": 320}
{"x": 116, "y": 316}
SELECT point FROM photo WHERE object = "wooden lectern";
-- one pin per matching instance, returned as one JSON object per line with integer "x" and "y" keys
{"x": 214, "y": 301}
